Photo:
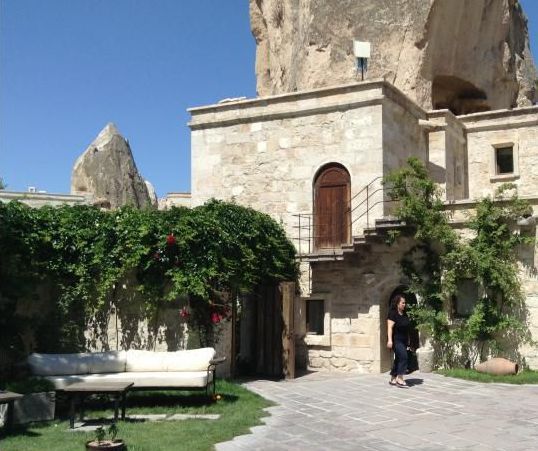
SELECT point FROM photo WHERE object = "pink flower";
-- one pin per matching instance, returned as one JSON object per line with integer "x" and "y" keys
{"x": 170, "y": 239}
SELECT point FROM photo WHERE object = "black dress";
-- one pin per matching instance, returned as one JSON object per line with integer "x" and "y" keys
{"x": 400, "y": 340}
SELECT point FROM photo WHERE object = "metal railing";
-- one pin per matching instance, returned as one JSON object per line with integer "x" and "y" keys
{"x": 311, "y": 228}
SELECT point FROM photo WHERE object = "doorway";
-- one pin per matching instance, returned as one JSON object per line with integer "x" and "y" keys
{"x": 332, "y": 225}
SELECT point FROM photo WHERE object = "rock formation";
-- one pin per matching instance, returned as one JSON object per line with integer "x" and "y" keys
{"x": 464, "y": 55}
{"x": 152, "y": 194}
{"x": 107, "y": 171}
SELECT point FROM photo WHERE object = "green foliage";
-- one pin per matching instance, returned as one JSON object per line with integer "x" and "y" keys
{"x": 82, "y": 258}
{"x": 441, "y": 258}
{"x": 30, "y": 385}
{"x": 523, "y": 377}
{"x": 101, "y": 433}
{"x": 238, "y": 408}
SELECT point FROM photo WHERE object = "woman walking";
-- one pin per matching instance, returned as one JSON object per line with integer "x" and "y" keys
{"x": 398, "y": 339}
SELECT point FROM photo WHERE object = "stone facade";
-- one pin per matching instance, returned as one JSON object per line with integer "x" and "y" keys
{"x": 175, "y": 200}
{"x": 267, "y": 152}
{"x": 37, "y": 200}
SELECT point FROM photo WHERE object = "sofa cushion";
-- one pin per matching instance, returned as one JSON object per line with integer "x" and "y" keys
{"x": 108, "y": 362}
{"x": 144, "y": 361}
{"x": 190, "y": 360}
{"x": 52, "y": 364}
{"x": 141, "y": 379}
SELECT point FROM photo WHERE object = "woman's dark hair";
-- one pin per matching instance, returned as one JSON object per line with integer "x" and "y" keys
{"x": 394, "y": 301}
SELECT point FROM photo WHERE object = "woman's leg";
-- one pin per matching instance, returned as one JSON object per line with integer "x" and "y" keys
{"x": 394, "y": 369}
{"x": 400, "y": 361}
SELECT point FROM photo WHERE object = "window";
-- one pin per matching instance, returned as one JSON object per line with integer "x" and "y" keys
{"x": 466, "y": 297}
{"x": 504, "y": 160}
{"x": 315, "y": 316}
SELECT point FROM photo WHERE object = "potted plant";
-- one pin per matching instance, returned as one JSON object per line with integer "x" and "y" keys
{"x": 101, "y": 443}
{"x": 38, "y": 402}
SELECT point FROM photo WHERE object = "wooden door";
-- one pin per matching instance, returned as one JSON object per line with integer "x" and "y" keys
{"x": 331, "y": 208}
{"x": 275, "y": 336}
{"x": 287, "y": 291}
{"x": 269, "y": 332}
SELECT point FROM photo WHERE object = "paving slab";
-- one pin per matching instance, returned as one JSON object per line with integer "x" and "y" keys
{"x": 326, "y": 411}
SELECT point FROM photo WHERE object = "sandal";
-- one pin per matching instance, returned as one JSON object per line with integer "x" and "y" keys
{"x": 402, "y": 384}
{"x": 392, "y": 381}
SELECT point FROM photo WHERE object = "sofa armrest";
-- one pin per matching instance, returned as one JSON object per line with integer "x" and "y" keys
{"x": 217, "y": 361}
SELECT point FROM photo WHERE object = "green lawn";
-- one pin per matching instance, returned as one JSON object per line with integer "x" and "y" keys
{"x": 523, "y": 377}
{"x": 239, "y": 410}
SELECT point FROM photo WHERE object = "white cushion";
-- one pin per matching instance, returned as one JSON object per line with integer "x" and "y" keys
{"x": 108, "y": 362}
{"x": 144, "y": 361}
{"x": 190, "y": 360}
{"x": 141, "y": 379}
{"x": 52, "y": 364}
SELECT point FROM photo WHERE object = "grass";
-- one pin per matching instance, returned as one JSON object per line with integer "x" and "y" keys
{"x": 523, "y": 377}
{"x": 239, "y": 410}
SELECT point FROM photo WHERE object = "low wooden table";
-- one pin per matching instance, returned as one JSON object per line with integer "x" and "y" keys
{"x": 80, "y": 390}
{"x": 9, "y": 397}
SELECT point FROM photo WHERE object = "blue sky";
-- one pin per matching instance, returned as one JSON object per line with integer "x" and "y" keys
{"x": 67, "y": 67}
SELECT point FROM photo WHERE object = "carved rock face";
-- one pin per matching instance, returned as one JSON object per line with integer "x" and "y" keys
{"x": 107, "y": 170}
{"x": 464, "y": 55}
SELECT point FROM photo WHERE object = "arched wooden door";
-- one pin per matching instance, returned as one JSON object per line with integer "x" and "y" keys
{"x": 331, "y": 207}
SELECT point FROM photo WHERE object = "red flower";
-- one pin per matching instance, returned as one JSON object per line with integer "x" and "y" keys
{"x": 215, "y": 318}
{"x": 170, "y": 239}
{"x": 184, "y": 312}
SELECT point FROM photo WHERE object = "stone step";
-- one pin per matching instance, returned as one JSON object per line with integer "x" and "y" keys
{"x": 389, "y": 222}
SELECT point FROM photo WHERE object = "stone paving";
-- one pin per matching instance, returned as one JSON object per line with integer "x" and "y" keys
{"x": 324, "y": 411}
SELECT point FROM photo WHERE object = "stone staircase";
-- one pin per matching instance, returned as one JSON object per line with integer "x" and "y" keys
{"x": 371, "y": 235}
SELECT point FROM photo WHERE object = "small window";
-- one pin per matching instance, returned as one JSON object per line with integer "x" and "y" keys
{"x": 466, "y": 297}
{"x": 315, "y": 315}
{"x": 504, "y": 160}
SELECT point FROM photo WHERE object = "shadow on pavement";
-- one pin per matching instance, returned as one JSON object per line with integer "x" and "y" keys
{"x": 414, "y": 381}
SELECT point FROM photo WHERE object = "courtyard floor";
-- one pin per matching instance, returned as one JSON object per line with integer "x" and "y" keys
{"x": 324, "y": 411}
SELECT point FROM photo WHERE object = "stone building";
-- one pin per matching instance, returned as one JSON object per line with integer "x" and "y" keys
{"x": 450, "y": 82}
{"x": 304, "y": 157}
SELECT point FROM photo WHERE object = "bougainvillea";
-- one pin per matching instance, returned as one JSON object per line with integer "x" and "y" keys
{"x": 80, "y": 255}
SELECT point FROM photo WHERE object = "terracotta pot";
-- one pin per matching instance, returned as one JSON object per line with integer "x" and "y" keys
{"x": 497, "y": 366}
{"x": 105, "y": 445}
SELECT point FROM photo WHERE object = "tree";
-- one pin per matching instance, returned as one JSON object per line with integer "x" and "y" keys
{"x": 489, "y": 258}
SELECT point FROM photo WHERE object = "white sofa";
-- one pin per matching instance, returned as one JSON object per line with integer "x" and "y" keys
{"x": 191, "y": 369}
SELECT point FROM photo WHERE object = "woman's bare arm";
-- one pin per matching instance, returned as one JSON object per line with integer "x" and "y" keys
{"x": 390, "y": 326}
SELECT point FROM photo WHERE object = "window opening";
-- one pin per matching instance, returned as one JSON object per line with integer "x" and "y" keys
{"x": 466, "y": 297}
{"x": 315, "y": 315}
{"x": 504, "y": 160}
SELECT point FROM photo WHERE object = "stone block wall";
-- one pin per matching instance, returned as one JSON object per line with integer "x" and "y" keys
{"x": 357, "y": 293}
{"x": 486, "y": 130}
{"x": 38, "y": 200}
{"x": 265, "y": 153}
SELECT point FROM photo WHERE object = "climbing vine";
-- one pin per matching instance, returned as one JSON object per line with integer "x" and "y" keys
{"x": 81, "y": 259}
{"x": 442, "y": 259}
